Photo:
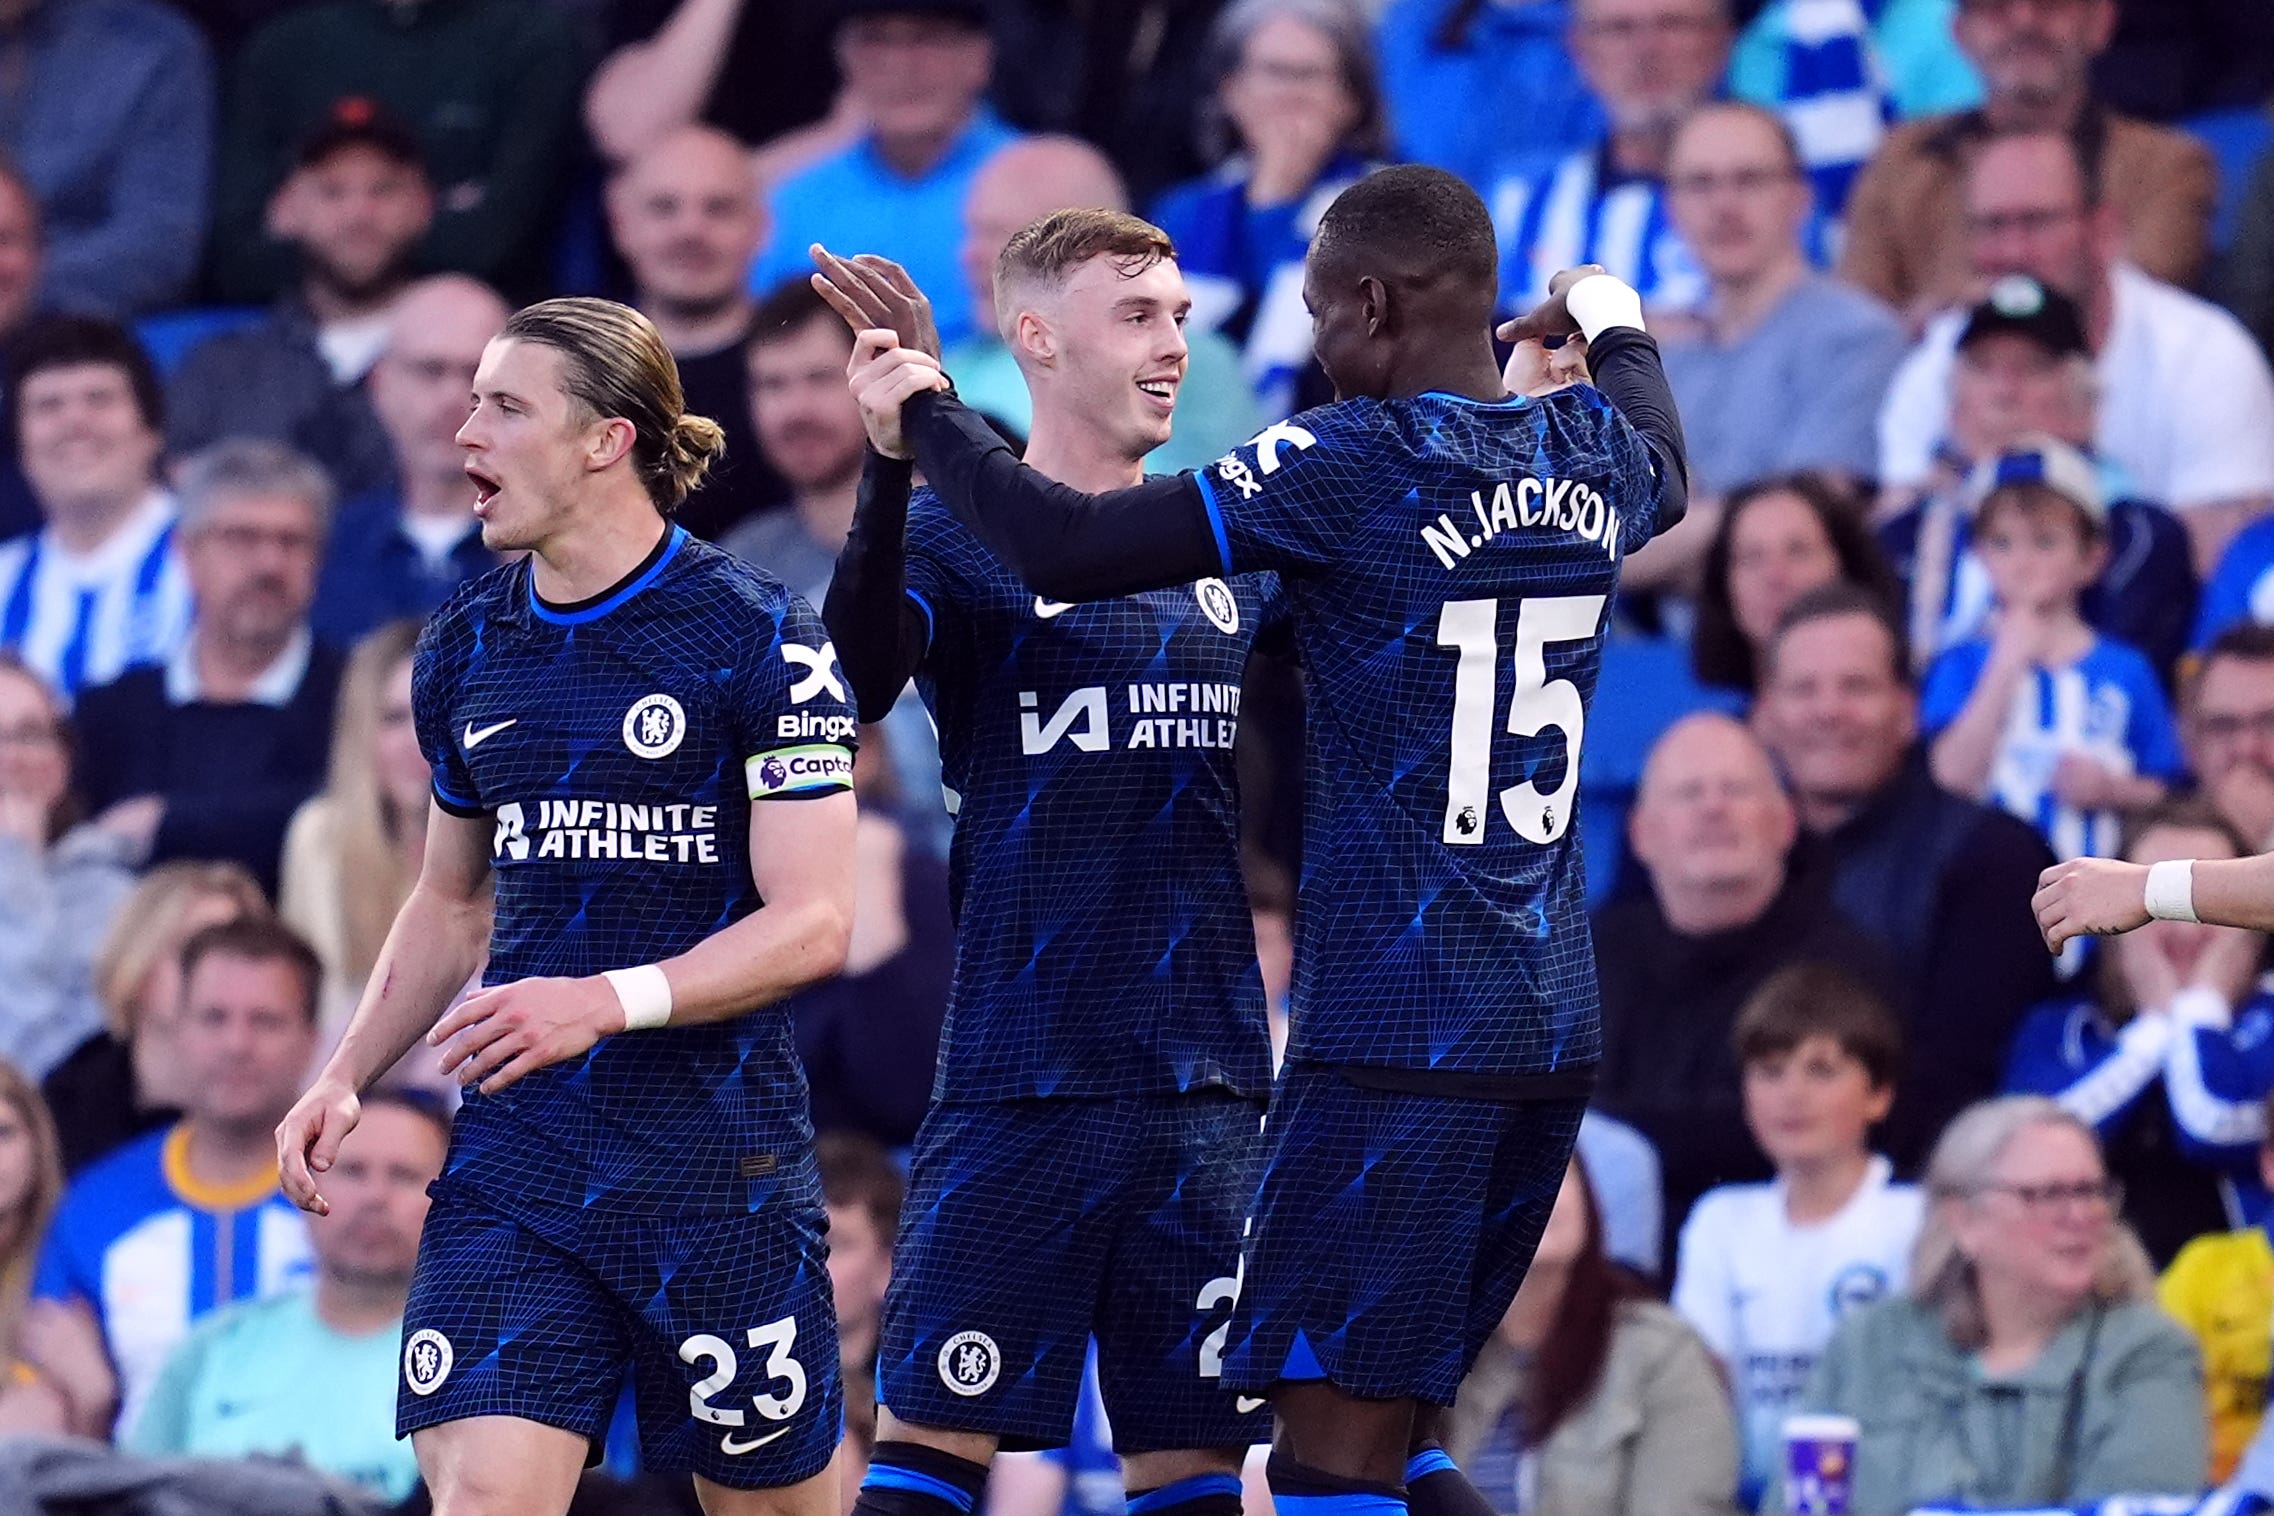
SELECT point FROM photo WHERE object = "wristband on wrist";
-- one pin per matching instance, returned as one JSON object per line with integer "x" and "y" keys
{"x": 2171, "y": 890}
{"x": 1602, "y": 301}
{"x": 644, "y": 993}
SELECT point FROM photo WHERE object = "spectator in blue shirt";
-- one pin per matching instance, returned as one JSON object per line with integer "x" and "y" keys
{"x": 2023, "y": 369}
{"x": 189, "y": 1219}
{"x": 353, "y": 209}
{"x": 311, "y": 1372}
{"x": 2168, "y": 1052}
{"x": 917, "y": 69}
{"x": 1440, "y": 57}
{"x": 1650, "y": 63}
{"x": 2241, "y": 590}
{"x": 399, "y": 552}
{"x": 2044, "y": 716}
{"x": 107, "y": 108}
{"x": 1296, "y": 117}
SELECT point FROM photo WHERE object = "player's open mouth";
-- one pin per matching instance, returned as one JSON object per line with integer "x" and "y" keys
{"x": 485, "y": 488}
{"x": 1160, "y": 391}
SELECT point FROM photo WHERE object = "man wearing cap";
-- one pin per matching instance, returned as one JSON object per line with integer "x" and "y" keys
{"x": 354, "y": 210}
{"x": 2186, "y": 405}
{"x": 2042, "y": 715}
{"x": 917, "y": 70}
{"x": 489, "y": 87}
{"x": 2022, "y": 368}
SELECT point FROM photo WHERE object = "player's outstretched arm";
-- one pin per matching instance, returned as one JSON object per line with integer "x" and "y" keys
{"x": 879, "y": 633}
{"x": 801, "y": 859}
{"x": 2101, "y": 896}
{"x": 437, "y": 942}
{"x": 1623, "y": 358}
{"x": 1063, "y": 542}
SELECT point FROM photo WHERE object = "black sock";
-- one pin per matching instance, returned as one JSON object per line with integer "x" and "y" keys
{"x": 1200, "y": 1495}
{"x": 1435, "y": 1487}
{"x": 1299, "y": 1490}
{"x": 909, "y": 1479}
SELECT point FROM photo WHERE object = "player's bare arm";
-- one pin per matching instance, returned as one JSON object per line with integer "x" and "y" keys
{"x": 436, "y": 944}
{"x": 801, "y": 857}
{"x": 2092, "y": 897}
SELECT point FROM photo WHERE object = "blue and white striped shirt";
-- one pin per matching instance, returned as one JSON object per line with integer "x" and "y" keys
{"x": 1585, "y": 211}
{"x": 84, "y": 619}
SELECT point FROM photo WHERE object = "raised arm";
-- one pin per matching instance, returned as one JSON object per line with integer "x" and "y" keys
{"x": 879, "y": 631}
{"x": 2101, "y": 896}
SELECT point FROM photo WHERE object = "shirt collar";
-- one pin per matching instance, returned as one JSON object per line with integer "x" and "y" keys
{"x": 128, "y": 544}
{"x": 276, "y": 686}
{"x": 969, "y": 144}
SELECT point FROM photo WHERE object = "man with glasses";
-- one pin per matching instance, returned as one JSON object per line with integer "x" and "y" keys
{"x": 1907, "y": 236}
{"x": 207, "y": 754}
{"x": 2186, "y": 405}
{"x": 2227, "y": 727}
{"x": 1785, "y": 368}
{"x": 1649, "y": 63}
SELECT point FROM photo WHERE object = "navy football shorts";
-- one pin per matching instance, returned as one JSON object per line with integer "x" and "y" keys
{"x": 1031, "y": 1225}
{"x": 725, "y": 1324}
{"x": 1391, "y": 1232}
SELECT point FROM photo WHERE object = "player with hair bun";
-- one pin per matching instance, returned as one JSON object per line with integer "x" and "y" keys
{"x": 642, "y": 748}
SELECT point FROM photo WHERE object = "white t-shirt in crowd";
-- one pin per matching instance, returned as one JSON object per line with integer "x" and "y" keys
{"x": 1765, "y": 1294}
{"x": 2186, "y": 398}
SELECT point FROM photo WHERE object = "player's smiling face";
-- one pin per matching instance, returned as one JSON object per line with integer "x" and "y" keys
{"x": 526, "y": 441}
{"x": 1120, "y": 348}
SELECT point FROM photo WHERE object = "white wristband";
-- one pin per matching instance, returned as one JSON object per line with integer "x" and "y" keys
{"x": 1602, "y": 301}
{"x": 644, "y": 993}
{"x": 2171, "y": 890}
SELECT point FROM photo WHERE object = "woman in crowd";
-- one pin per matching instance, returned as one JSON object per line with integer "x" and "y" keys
{"x": 59, "y": 887}
{"x": 2167, "y": 1053}
{"x": 1593, "y": 1399}
{"x": 368, "y": 825}
{"x": 1778, "y": 539}
{"x": 1296, "y": 115}
{"x": 54, "y": 1376}
{"x": 2029, "y": 1364}
{"x": 120, "y": 1082}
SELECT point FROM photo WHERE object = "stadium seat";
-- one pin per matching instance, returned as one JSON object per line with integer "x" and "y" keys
{"x": 2237, "y": 137}
{"x": 170, "y": 335}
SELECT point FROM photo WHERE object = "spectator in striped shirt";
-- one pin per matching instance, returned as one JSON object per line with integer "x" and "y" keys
{"x": 99, "y": 587}
{"x": 1650, "y": 63}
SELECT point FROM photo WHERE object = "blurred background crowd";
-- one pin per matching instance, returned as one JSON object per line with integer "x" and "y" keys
{"x": 1966, "y": 304}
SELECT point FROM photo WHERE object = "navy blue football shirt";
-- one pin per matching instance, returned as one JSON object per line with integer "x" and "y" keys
{"x": 1103, "y": 944}
{"x": 619, "y": 745}
{"x": 1450, "y": 563}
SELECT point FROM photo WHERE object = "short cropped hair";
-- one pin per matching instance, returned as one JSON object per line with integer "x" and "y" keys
{"x": 788, "y": 308}
{"x": 238, "y": 466}
{"x": 1805, "y": 1000}
{"x": 1046, "y": 251}
{"x": 424, "y": 1104}
{"x": 1828, "y": 602}
{"x": 1788, "y": 141}
{"x": 259, "y": 939}
{"x": 1414, "y": 215}
{"x": 74, "y": 342}
{"x": 857, "y": 1172}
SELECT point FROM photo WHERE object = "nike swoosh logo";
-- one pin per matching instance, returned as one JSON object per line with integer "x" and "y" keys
{"x": 1246, "y": 1403}
{"x": 1044, "y": 610}
{"x": 730, "y": 1447}
{"x": 475, "y": 739}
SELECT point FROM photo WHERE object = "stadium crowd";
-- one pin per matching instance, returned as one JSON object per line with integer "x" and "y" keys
{"x": 1967, "y": 306}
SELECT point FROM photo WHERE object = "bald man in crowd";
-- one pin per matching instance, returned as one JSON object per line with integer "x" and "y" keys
{"x": 1726, "y": 908}
{"x": 399, "y": 551}
{"x": 1020, "y": 184}
{"x": 685, "y": 215}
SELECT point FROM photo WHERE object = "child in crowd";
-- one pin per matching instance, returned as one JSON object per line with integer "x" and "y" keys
{"x": 1767, "y": 1270}
{"x": 2221, "y": 1288}
{"x": 2065, "y": 728}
